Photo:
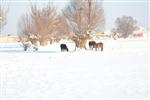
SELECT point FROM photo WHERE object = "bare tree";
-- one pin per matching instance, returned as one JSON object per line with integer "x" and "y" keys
{"x": 46, "y": 21}
{"x": 63, "y": 28}
{"x": 94, "y": 14}
{"x": 84, "y": 16}
{"x": 26, "y": 27}
{"x": 125, "y": 25}
{"x": 42, "y": 22}
{"x": 3, "y": 14}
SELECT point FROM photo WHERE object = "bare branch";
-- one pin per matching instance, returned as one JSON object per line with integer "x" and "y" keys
{"x": 3, "y": 14}
{"x": 41, "y": 22}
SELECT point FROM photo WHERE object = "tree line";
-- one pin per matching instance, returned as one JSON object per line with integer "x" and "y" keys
{"x": 76, "y": 22}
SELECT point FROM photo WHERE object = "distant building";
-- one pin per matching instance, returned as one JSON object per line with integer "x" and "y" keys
{"x": 101, "y": 35}
{"x": 8, "y": 38}
{"x": 137, "y": 34}
{"x": 141, "y": 32}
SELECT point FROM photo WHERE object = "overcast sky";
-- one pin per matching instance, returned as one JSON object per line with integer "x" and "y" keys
{"x": 139, "y": 9}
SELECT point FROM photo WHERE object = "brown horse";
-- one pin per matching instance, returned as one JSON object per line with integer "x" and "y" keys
{"x": 99, "y": 45}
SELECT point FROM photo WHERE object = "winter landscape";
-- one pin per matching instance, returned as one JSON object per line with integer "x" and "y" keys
{"x": 73, "y": 62}
{"x": 115, "y": 73}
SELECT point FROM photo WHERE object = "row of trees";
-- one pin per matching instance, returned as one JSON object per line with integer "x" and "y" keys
{"x": 76, "y": 21}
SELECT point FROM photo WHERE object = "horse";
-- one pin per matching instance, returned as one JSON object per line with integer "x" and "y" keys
{"x": 99, "y": 45}
{"x": 91, "y": 44}
{"x": 29, "y": 44}
{"x": 64, "y": 47}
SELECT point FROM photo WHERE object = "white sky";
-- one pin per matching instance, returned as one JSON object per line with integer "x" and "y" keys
{"x": 139, "y": 9}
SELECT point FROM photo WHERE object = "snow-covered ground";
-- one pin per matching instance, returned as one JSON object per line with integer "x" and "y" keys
{"x": 120, "y": 71}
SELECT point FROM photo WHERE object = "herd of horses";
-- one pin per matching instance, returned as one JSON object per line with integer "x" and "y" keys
{"x": 96, "y": 46}
{"x": 92, "y": 46}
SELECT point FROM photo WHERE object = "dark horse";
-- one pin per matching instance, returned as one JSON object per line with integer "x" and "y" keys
{"x": 91, "y": 44}
{"x": 99, "y": 45}
{"x": 64, "y": 47}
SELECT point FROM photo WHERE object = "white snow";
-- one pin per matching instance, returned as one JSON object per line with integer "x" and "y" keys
{"x": 120, "y": 71}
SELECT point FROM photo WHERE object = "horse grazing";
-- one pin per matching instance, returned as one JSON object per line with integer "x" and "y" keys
{"x": 64, "y": 47}
{"x": 99, "y": 45}
{"x": 91, "y": 44}
{"x": 28, "y": 45}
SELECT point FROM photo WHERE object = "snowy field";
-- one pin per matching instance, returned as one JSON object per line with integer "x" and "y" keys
{"x": 119, "y": 72}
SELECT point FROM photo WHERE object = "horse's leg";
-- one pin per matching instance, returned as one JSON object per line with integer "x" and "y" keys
{"x": 101, "y": 48}
{"x": 96, "y": 49}
{"x": 25, "y": 48}
{"x": 89, "y": 47}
